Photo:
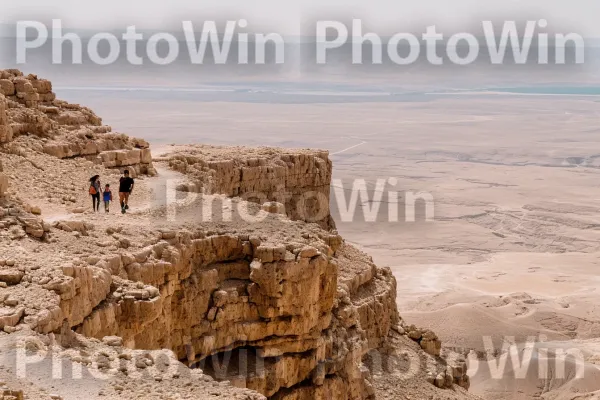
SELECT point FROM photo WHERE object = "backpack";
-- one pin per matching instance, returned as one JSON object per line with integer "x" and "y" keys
{"x": 93, "y": 190}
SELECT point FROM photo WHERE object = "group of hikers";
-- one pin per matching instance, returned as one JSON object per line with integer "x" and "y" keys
{"x": 126, "y": 184}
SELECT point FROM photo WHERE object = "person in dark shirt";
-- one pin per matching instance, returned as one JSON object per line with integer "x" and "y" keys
{"x": 125, "y": 188}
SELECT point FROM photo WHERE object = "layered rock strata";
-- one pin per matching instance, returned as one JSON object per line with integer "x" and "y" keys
{"x": 206, "y": 298}
{"x": 298, "y": 179}
{"x": 28, "y": 106}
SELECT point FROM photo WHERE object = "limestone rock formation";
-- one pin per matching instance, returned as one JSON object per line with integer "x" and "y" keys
{"x": 298, "y": 179}
{"x": 203, "y": 297}
{"x": 28, "y": 106}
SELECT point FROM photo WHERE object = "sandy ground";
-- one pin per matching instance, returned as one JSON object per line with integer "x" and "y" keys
{"x": 512, "y": 251}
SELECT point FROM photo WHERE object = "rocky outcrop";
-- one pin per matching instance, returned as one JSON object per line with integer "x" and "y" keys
{"x": 298, "y": 179}
{"x": 18, "y": 221}
{"x": 109, "y": 150}
{"x": 289, "y": 312}
{"x": 301, "y": 311}
{"x": 28, "y": 106}
{"x": 279, "y": 304}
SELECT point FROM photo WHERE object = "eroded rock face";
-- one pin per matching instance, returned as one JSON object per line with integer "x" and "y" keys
{"x": 289, "y": 313}
{"x": 298, "y": 179}
{"x": 206, "y": 298}
{"x": 28, "y": 106}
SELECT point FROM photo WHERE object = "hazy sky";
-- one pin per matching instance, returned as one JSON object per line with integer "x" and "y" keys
{"x": 286, "y": 16}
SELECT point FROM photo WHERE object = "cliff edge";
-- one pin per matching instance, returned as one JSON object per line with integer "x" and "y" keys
{"x": 226, "y": 278}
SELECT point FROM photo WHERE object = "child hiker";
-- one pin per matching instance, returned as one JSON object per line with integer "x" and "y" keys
{"x": 107, "y": 197}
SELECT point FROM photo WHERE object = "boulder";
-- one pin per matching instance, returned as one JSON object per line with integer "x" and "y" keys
{"x": 11, "y": 276}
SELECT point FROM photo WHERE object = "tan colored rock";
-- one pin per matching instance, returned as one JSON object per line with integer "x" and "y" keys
{"x": 274, "y": 207}
{"x": 6, "y": 131}
{"x": 35, "y": 110}
{"x": 42, "y": 86}
{"x": 298, "y": 179}
{"x": 3, "y": 184}
{"x": 267, "y": 289}
{"x": 430, "y": 343}
{"x": 33, "y": 226}
{"x": 7, "y": 87}
{"x": 11, "y": 276}
{"x": 113, "y": 341}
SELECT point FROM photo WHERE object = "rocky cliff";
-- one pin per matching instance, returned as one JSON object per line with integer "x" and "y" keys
{"x": 272, "y": 305}
{"x": 297, "y": 179}
{"x": 29, "y": 107}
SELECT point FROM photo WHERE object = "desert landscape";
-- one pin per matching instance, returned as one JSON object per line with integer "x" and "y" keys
{"x": 202, "y": 289}
{"x": 512, "y": 251}
{"x": 161, "y": 300}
